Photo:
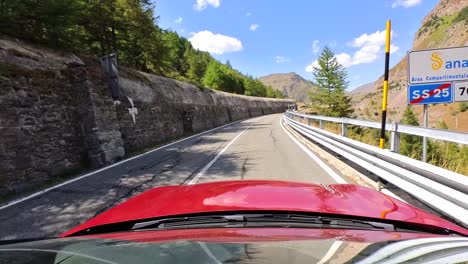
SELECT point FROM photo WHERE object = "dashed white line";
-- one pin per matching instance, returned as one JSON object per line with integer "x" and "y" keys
{"x": 203, "y": 171}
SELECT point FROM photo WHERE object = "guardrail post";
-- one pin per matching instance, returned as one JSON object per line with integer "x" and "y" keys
{"x": 395, "y": 138}
{"x": 344, "y": 130}
{"x": 308, "y": 121}
{"x": 321, "y": 124}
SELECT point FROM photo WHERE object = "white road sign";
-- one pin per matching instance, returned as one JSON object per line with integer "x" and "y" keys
{"x": 461, "y": 91}
{"x": 438, "y": 65}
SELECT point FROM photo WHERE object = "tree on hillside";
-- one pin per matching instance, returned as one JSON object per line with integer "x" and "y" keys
{"x": 129, "y": 29}
{"x": 198, "y": 62}
{"x": 54, "y": 23}
{"x": 254, "y": 87}
{"x": 220, "y": 77}
{"x": 331, "y": 78}
{"x": 410, "y": 145}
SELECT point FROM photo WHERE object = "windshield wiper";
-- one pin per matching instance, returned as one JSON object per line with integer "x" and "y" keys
{"x": 261, "y": 220}
{"x": 267, "y": 219}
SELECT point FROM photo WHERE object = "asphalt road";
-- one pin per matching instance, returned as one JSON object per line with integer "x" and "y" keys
{"x": 257, "y": 148}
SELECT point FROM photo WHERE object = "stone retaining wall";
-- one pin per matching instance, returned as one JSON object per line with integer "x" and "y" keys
{"x": 57, "y": 116}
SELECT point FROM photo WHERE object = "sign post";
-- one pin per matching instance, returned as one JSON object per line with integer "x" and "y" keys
{"x": 437, "y": 76}
{"x": 424, "y": 155}
{"x": 385, "y": 84}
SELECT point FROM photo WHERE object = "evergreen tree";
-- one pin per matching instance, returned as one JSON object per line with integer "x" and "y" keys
{"x": 129, "y": 29}
{"x": 331, "y": 78}
{"x": 410, "y": 145}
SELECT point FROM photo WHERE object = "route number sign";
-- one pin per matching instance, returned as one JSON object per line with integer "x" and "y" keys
{"x": 434, "y": 93}
{"x": 461, "y": 92}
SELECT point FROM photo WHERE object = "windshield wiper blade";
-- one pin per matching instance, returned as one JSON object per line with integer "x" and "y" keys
{"x": 264, "y": 220}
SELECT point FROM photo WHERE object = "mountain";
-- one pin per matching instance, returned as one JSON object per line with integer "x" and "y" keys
{"x": 291, "y": 85}
{"x": 445, "y": 26}
{"x": 360, "y": 92}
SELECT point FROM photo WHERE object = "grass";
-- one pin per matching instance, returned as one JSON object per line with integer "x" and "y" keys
{"x": 462, "y": 16}
{"x": 439, "y": 34}
{"x": 446, "y": 155}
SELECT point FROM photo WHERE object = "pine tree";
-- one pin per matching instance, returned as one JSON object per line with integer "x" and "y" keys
{"x": 331, "y": 78}
{"x": 410, "y": 145}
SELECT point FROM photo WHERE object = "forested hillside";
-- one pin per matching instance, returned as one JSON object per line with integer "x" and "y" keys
{"x": 129, "y": 29}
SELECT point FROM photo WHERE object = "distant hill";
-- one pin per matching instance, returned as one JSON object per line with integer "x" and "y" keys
{"x": 360, "y": 92}
{"x": 292, "y": 85}
{"x": 445, "y": 26}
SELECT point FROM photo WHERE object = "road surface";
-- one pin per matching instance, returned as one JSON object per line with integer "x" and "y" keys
{"x": 257, "y": 148}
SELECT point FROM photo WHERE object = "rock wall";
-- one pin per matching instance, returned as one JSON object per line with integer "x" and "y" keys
{"x": 163, "y": 104}
{"x": 57, "y": 116}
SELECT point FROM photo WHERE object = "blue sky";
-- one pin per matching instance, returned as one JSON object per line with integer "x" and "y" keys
{"x": 261, "y": 37}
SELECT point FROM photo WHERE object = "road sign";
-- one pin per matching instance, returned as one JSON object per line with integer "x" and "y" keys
{"x": 460, "y": 92}
{"x": 438, "y": 65}
{"x": 434, "y": 93}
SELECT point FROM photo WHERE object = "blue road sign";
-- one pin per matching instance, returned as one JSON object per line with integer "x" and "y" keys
{"x": 434, "y": 93}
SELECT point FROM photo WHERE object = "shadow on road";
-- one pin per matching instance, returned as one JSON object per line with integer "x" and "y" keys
{"x": 55, "y": 212}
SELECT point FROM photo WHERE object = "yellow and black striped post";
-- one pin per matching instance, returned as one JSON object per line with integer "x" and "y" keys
{"x": 385, "y": 85}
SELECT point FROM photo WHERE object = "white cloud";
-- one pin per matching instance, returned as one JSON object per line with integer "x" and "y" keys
{"x": 281, "y": 59}
{"x": 253, "y": 27}
{"x": 366, "y": 54}
{"x": 215, "y": 43}
{"x": 376, "y": 38}
{"x": 178, "y": 20}
{"x": 344, "y": 59}
{"x": 394, "y": 48}
{"x": 316, "y": 46}
{"x": 202, "y": 4}
{"x": 310, "y": 68}
{"x": 406, "y": 3}
{"x": 369, "y": 47}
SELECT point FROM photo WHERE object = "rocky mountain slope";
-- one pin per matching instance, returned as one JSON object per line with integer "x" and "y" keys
{"x": 291, "y": 85}
{"x": 445, "y": 26}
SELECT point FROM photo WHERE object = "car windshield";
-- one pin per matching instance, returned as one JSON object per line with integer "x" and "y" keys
{"x": 256, "y": 246}
{"x": 128, "y": 117}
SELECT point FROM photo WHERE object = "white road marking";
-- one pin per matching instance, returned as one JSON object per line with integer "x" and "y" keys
{"x": 203, "y": 171}
{"x": 322, "y": 164}
{"x": 108, "y": 167}
{"x": 337, "y": 178}
{"x": 209, "y": 253}
{"x": 334, "y": 247}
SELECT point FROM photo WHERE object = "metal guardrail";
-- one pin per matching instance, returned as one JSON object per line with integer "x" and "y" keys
{"x": 443, "y": 190}
{"x": 396, "y": 128}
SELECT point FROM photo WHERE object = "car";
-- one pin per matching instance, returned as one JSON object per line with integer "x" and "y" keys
{"x": 253, "y": 222}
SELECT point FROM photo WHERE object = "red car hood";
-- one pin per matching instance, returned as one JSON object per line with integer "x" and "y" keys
{"x": 340, "y": 199}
